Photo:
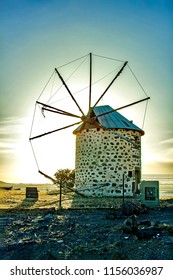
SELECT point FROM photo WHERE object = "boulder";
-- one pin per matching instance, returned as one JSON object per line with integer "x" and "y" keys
{"x": 146, "y": 233}
{"x": 130, "y": 225}
{"x": 129, "y": 208}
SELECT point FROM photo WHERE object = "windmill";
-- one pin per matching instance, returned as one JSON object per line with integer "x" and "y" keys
{"x": 100, "y": 164}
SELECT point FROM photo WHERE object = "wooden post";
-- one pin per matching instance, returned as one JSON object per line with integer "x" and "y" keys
{"x": 60, "y": 194}
{"x": 90, "y": 83}
{"x": 123, "y": 187}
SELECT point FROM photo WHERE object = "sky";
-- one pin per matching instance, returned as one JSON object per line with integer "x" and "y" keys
{"x": 38, "y": 35}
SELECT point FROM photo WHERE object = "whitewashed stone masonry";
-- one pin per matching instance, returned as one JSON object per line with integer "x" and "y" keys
{"x": 102, "y": 158}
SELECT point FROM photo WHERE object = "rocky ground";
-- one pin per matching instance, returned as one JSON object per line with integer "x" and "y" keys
{"x": 76, "y": 234}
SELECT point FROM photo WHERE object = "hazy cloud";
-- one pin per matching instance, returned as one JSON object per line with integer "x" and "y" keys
{"x": 10, "y": 130}
{"x": 10, "y": 125}
{"x": 159, "y": 167}
{"x": 167, "y": 141}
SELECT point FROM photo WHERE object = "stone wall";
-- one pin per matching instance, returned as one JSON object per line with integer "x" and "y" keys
{"x": 102, "y": 158}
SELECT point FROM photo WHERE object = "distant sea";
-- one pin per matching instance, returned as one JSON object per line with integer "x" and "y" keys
{"x": 165, "y": 183}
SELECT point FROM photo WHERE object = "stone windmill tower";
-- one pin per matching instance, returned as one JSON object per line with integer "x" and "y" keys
{"x": 108, "y": 146}
{"x": 107, "y": 151}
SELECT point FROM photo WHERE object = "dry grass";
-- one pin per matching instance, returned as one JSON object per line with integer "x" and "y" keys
{"x": 15, "y": 199}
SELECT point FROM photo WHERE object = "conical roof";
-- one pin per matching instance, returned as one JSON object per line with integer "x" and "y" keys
{"x": 112, "y": 120}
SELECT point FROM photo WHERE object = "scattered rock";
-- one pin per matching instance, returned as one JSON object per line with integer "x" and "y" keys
{"x": 129, "y": 208}
{"x": 170, "y": 230}
{"x": 144, "y": 211}
{"x": 145, "y": 223}
{"x": 60, "y": 241}
{"x": 39, "y": 219}
{"x": 5, "y": 221}
{"x": 114, "y": 216}
{"x": 169, "y": 240}
{"x": 146, "y": 233}
{"x": 130, "y": 225}
{"x": 85, "y": 234}
{"x": 48, "y": 216}
{"x": 49, "y": 211}
{"x": 164, "y": 226}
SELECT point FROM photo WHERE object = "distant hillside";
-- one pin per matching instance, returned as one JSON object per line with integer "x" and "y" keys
{"x": 4, "y": 184}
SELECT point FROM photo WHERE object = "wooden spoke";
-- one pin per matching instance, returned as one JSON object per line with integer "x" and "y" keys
{"x": 56, "y": 110}
{"x": 90, "y": 82}
{"x": 125, "y": 106}
{"x": 61, "y": 78}
{"x": 52, "y": 131}
{"x": 111, "y": 83}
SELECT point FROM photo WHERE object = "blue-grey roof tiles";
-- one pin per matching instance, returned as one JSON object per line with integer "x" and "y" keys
{"x": 113, "y": 120}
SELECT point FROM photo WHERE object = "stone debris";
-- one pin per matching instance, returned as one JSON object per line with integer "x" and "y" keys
{"x": 130, "y": 225}
{"x": 147, "y": 232}
{"x": 38, "y": 220}
{"x": 114, "y": 215}
{"x": 129, "y": 208}
{"x": 145, "y": 223}
{"x": 85, "y": 234}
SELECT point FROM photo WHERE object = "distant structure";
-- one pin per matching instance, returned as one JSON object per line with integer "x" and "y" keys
{"x": 106, "y": 150}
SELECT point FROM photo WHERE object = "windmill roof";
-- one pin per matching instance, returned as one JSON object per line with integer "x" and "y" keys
{"x": 112, "y": 120}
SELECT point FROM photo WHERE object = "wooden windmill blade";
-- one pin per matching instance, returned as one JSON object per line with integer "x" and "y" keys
{"x": 53, "y": 131}
{"x": 119, "y": 72}
{"x": 123, "y": 107}
{"x": 88, "y": 117}
{"x": 52, "y": 109}
{"x": 64, "y": 83}
{"x": 105, "y": 91}
{"x": 91, "y": 120}
{"x": 84, "y": 118}
{"x": 90, "y": 82}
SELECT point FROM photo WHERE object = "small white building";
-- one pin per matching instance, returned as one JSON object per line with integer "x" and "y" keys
{"x": 108, "y": 148}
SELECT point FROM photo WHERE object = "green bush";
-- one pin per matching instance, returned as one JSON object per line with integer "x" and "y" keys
{"x": 66, "y": 177}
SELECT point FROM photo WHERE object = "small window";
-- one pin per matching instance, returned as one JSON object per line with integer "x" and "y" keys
{"x": 130, "y": 174}
{"x": 136, "y": 139}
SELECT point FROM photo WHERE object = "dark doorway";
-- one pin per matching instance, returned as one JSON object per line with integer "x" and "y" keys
{"x": 137, "y": 179}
